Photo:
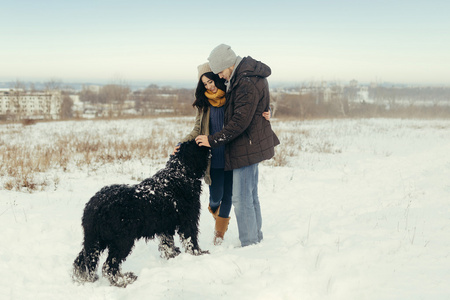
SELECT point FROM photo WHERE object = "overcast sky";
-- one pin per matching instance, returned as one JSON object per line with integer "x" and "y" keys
{"x": 164, "y": 41}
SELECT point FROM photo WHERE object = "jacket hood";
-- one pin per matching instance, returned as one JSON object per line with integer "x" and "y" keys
{"x": 249, "y": 67}
{"x": 252, "y": 67}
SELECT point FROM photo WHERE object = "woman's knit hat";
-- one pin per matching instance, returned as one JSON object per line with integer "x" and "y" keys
{"x": 221, "y": 58}
{"x": 202, "y": 69}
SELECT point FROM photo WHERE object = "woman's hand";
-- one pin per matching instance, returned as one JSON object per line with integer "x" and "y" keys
{"x": 266, "y": 115}
{"x": 176, "y": 150}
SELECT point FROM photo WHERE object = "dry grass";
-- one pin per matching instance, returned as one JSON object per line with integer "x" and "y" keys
{"x": 31, "y": 156}
{"x": 26, "y": 163}
{"x": 290, "y": 146}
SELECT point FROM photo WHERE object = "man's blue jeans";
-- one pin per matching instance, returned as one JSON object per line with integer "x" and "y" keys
{"x": 246, "y": 204}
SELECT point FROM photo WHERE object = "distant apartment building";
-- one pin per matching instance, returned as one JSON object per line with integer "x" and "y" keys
{"x": 16, "y": 104}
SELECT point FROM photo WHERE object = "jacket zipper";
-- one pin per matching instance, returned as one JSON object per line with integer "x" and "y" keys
{"x": 249, "y": 137}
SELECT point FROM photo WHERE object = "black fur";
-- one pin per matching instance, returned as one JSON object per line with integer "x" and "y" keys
{"x": 118, "y": 215}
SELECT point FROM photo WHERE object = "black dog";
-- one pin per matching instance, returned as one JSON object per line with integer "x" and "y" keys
{"x": 118, "y": 215}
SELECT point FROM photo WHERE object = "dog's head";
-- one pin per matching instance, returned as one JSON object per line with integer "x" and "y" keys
{"x": 193, "y": 158}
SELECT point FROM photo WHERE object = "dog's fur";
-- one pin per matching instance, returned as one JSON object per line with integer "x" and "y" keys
{"x": 118, "y": 215}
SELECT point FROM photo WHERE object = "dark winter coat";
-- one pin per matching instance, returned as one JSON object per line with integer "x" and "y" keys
{"x": 247, "y": 135}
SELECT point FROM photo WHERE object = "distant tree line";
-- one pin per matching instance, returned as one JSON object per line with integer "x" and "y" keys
{"x": 354, "y": 101}
{"x": 149, "y": 101}
{"x": 309, "y": 100}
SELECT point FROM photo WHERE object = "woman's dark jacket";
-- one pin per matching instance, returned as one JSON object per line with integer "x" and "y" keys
{"x": 247, "y": 135}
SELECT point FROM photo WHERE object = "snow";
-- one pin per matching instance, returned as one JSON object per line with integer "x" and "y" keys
{"x": 359, "y": 210}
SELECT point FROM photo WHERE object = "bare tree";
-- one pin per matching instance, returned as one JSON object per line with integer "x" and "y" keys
{"x": 53, "y": 84}
{"x": 52, "y": 89}
{"x": 274, "y": 100}
{"x": 115, "y": 94}
{"x": 17, "y": 98}
{"x": 86, "y": 95}
{"x": 66, "y": 107}
{"x": 340, "y": 101}
{"x": 32, "y": 87}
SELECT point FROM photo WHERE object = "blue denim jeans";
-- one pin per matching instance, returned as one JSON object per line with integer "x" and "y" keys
{"x": 220, "y": 191}
{"x": 246, "y": 204}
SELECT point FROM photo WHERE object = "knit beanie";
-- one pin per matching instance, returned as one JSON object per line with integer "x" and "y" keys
{"x": 202, "y": 69}
{"x": 221, "y": 58}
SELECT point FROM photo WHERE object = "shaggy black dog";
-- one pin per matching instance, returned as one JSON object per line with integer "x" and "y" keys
{"x": 118, "y": 215}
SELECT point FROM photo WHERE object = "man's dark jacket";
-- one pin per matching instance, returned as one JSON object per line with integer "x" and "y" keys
{"x": 247, "y": 135}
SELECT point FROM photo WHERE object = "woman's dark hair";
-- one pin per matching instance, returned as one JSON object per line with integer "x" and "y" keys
{"x": 200, "y": 99}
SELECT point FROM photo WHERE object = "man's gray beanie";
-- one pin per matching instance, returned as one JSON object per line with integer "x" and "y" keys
{"x": 221, "y": 58}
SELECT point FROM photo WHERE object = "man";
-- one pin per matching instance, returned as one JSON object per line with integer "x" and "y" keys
{"x": 247, "y": 135}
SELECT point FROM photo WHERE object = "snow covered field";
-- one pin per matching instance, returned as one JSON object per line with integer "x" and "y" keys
{"x": 359, "y": 209}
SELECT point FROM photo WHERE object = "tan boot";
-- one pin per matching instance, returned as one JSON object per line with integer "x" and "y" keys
{"x": 221, "y": 228}
{"x": 214, "y": 214}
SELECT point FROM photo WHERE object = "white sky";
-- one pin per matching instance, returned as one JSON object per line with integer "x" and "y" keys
{"x": 157, "y": 41}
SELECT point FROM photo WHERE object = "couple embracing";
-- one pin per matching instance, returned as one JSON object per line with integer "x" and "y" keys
{"x": 232, "y": 100}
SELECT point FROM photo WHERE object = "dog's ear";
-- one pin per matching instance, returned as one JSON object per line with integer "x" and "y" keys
{"x": 187, "y": 145}
{"x": 186, "y": 150}
{"x": 191, "y": 151}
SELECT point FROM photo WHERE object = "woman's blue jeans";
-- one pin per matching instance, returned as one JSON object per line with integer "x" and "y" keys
{"x": 246, "y": 204}
{"x": 220, "y": 191}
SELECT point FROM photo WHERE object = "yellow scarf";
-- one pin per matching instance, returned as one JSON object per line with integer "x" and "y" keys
{"x": 216, "y": 99}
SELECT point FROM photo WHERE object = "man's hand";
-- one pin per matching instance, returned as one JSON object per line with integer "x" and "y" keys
{"x": 202, "y": 140}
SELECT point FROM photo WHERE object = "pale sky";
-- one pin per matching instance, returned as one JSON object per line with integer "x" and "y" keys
{"x": 164, "y": 40}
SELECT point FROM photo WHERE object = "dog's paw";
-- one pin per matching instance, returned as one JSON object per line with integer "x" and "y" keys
{"x": 168, "y": 253}
{"x": 82, "y": 277}
{"x": 176, "y": 251}
{"x": 198, "y": 252}
{"x": 92, "y": 278}
{"x": 130, "y": 277}
{"x": 122, "y": 280}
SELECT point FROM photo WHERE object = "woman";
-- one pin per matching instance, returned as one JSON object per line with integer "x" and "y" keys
{"x": 209, "y": 101}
